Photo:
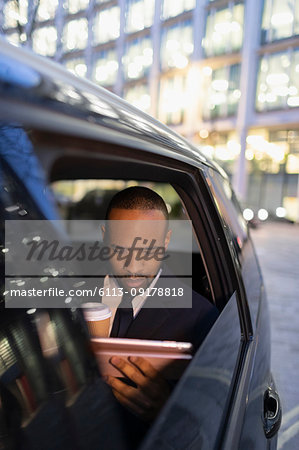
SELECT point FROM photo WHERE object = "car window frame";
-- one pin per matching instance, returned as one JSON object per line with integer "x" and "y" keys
{"x": 189, "y": 181}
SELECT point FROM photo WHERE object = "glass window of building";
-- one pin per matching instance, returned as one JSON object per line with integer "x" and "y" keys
{"x": 139, "y": 15}
{"x": 139, "y": 96}
{"x": 73, "y": 6}
{"x": 14, "y": 13}
{"x": 13, "y": 38}
{"x": 76, "y": 66}
{"x": 224, "y": 147}
{"x": 223, "y": 92}
{"x": 105, "y": 68}
{"x": 224, "y": 30}
{"x": 177, "y": 45}
{"x": 293, "y": 97}
{"x": 278, "y": 81}
{"x": 44, "y": 41}
{"x": 46, "y": 10}
{"x": 172, "y": 9}
{"x": 280, "y": 19}
{"x": 106, "y": 25}
{"x": 138, "y": 58}
{"x": 296, "y": 28}
{"x": 172, "y": 100}
{"x": 75, "y": 35}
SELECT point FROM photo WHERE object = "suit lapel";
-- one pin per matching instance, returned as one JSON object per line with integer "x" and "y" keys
{"x": 153, "y": 316}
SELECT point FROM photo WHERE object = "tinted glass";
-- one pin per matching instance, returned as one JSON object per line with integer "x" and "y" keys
{"x": 48, "y": 378}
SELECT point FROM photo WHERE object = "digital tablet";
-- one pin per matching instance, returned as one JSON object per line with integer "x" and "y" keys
{"x": 170, "y": 358}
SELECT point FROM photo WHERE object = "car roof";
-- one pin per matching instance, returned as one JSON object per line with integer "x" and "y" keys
{"x": 36, "y": 90}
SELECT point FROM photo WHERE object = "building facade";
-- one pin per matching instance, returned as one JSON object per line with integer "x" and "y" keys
{"x": 224, "y": 73}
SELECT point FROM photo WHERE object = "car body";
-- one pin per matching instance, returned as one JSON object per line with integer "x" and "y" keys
{"x": 75, "y": 130}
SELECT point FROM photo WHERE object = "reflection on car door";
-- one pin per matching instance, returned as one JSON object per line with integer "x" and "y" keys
{"x": 194, "y": 415}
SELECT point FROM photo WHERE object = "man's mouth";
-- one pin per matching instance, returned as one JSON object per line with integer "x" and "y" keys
{"x": 133, "y": 282}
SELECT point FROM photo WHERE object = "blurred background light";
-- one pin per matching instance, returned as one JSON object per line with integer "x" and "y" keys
{"x": 248, "y": 214}
{"x": 280, "y": 211}
{"x": 263, "y": 214}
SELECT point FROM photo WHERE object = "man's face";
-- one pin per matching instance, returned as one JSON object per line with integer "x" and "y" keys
{"x": 124, "y": 227}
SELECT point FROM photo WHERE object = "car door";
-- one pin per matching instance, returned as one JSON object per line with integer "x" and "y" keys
{"x": 261, "y": 411}
{"x": 210, "y": 383}
{"x": 238, "y": 407}
{"x": 201, "y": 401}
{"x": 196, "y": 413}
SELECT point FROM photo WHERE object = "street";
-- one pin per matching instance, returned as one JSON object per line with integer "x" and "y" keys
{"x": 277, "y": 246}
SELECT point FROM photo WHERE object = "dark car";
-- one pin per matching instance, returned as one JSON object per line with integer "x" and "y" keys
{"x": 62, "y": 137}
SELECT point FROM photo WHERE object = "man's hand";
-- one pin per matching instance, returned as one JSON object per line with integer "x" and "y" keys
{"x": 152, "y": 391}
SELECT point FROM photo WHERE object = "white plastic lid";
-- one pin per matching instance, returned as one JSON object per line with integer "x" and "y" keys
{"x": 95, "y": 311}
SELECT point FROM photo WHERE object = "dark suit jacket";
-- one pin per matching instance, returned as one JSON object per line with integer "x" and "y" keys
{"x": 158, "y": 320}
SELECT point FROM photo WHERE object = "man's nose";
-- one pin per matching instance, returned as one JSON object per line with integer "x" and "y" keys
{"x": 134, "y": 266}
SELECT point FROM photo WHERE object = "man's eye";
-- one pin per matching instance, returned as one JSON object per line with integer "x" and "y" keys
{"x": 119, "y": 251}
{"x": 148, "y": 253}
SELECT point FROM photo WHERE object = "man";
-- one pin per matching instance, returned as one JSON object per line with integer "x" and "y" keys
{"x": 137, "y": 222}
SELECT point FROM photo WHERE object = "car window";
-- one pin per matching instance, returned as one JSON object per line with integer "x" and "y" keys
{"x": 16, "y": 202}
{"x": 229, "y": 210}
{"x": 89, "y": 199}
{"x": 48, "y": 376}
{"x": 238, "y": 235}
{"x": 25, "y": 192}
{"x": 86, "y": 198}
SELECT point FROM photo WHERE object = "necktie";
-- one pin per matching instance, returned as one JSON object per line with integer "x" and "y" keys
{"x": 123, "y": 317}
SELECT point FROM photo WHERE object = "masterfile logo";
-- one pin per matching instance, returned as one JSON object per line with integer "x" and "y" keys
{"x": 64, "y": 263}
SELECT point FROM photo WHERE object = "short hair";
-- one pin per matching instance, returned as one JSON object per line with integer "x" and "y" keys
{"x": 137, "y": 197}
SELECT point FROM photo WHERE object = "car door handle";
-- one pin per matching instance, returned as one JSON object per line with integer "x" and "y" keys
{"x": 272, "y": 413}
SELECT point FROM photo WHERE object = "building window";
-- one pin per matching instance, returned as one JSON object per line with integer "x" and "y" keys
{"x": 76, "y": 66}
{"x": 172, "y": 100}
{"x": 46, "y": 10}
{"x": 139, "y": 96}
{"x": 106, "y": 25}
{"x": 105, "y": 68}
{"x": 278, "y": 81}
{"x": 224, "y": 147}
{"x": 15, "y": 13}
{"x": 13, "y": 38}
{"x": 224, "y": 30}
{"x": 223, "y": 92}
{"x": 172, "y": 9}
{"x": 177, "y": 45}
{"x": 44, "y": 41}
{"x": 73, "y": 6}
{"x": 75, "y": 35}
{"x": 139, "y": 15}
{"x": 280, "y": 20}
{"x": 138, "y": 58}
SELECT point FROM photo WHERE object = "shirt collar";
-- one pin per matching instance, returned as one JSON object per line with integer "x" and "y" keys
{"x": 110, "y": 282}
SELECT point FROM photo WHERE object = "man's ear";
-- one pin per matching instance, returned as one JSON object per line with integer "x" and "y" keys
{"x": 167, "y": 238}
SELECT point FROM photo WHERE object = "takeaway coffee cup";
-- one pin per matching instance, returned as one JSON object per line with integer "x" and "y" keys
{"x": 97, "y": 316}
